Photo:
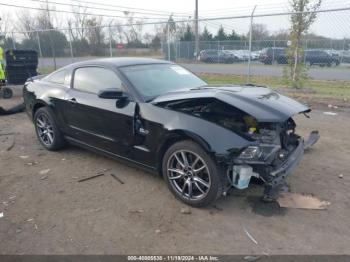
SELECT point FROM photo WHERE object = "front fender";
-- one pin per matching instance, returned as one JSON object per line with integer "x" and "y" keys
{"x": 214, "y": 138}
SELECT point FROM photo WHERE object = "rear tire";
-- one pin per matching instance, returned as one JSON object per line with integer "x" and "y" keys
{"x": 191, "y": 174}
{"x": 47, "y": 130}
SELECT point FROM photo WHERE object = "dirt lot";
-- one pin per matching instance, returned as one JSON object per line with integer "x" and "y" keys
{"x": 54, "y": 214}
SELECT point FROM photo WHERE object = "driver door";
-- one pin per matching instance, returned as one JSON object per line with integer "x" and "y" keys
{"x": 94, "y": 120}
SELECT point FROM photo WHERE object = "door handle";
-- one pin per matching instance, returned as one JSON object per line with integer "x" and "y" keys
{"x": 72, "y": 100}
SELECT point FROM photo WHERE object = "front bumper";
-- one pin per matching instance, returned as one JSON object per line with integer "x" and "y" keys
{"x": 287, "y": 167}
{"x": 239, "y": 173}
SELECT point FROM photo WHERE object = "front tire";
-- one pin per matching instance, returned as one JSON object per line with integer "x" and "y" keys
{"x": 191, "y": 174}
{"x": 47, "y": 130}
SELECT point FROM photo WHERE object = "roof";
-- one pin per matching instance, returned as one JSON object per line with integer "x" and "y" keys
{"x": 121, "y": 61}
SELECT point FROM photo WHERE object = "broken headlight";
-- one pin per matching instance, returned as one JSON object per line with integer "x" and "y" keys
{"x": 251, "y": 152}
{"x": 258, "y": 153}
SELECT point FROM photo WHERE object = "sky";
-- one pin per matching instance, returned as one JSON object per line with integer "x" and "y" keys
{"x": 334, "y": 24}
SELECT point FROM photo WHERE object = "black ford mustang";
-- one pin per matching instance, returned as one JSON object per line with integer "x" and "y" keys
{"x": 202, "y": 139}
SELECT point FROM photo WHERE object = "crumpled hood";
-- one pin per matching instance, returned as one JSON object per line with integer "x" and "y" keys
{"x": 264, "y": 104}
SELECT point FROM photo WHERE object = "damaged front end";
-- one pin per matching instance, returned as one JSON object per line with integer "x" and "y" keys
{"x": 262, "y": 118}
{"x": 273, "y": 155}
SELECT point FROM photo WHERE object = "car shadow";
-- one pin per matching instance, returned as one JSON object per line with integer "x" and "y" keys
{"x": 248, "y": 200}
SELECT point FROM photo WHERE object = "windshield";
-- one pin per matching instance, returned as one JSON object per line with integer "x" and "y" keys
{"x": 157, "y": 79}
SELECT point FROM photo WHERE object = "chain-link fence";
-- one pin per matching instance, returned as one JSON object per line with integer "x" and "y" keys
{"x": 223, "y": 40}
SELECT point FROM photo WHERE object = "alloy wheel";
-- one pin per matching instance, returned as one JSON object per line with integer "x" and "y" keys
{"x": 44, "y": 129}
{"x": 188, "y": 174}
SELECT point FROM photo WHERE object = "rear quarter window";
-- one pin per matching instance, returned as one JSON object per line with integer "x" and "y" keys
{"x": 57, "y": 77}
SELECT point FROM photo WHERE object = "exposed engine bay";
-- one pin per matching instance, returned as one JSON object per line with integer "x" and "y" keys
{"x": 236, "y": 120}
{"x": 212, "y": 110}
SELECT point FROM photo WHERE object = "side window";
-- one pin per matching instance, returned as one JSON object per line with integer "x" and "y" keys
{"x": 95, "y": 79}
{"x": 57, "y": 77}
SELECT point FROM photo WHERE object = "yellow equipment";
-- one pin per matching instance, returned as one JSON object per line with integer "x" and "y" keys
{"x": 2, "y": 72}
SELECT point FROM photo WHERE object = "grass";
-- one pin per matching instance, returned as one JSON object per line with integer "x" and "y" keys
{"x": 313, "y": 88}
{"x": 46, "y": 70}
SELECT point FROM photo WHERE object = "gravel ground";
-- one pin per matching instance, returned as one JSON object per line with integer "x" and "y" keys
{"x": 46, "y": 211}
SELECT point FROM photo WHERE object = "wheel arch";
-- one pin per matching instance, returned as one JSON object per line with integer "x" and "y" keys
{"x": 175, "y": 136}
{"x": 38, "y": 104}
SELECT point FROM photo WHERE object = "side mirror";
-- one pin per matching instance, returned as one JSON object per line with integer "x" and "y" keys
{"x": 112, "y": 93}
{"x": 115, "y": 93}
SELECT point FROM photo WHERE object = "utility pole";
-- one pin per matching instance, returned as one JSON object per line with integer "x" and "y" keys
{"x": 168, "y": 38}
{"x": 250, "y": 44}
{"x": 110, "y": 39}
{"x": 196, "y": 30}
{"x": 50, "y": 37}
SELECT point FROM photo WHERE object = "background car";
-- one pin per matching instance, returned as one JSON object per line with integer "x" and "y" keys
{"x": 255, "y": 55}
{"x": 345, "y": 56}
{"x": 238, "y": 55}
{"x": 216, "y": 56}
{"x": 271, "y": 55}
{"x": 321, "y": 57}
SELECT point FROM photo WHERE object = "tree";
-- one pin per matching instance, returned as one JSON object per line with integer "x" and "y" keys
{"x": 221, "y": 35}
{"x": 5, "y": 23}
{"x": 8, "y": 43}
{"x": 188, "y": 35}
{"x": 79, "y": 22}
{"x": 59, "y": 41}
{"x": 6, "y": 40}
{"x": 133, "y": 32}
{"x": 206, "y": 35}
{"x": 52, "y": 42}
{"x": 233, "y": 36}
{"x": 259, "y": 32}
{"x": 156, "y": 43}
{"x": 170, "y": 25}
{"x": 147, "y": 37}
{"x": 180, "y": 29}
{"x": 95, "y": 35}
{"x": 26, "y": 23}
{"x": 280, "y": 35}
{"x": 301, "y": 21}
{"x": 117, "y": 29}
